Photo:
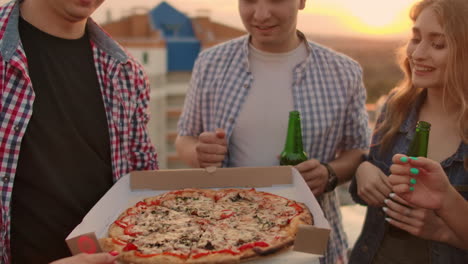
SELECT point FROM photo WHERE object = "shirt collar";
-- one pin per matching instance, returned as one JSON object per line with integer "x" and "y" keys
{"x": 11, "y": 38}
{"x": 105, "y": 42}
{"x": 245, "y": 49}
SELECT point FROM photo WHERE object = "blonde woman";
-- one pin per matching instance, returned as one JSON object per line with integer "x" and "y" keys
{"x": 435, "y": 89}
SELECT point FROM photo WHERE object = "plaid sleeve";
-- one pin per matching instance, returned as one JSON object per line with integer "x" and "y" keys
{"x": 142, "y": 152}
{"x": 356, "y": 133}
{"x": 191, "y": 119}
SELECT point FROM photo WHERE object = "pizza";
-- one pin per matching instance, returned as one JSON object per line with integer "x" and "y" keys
{"x": 206, "y": 226}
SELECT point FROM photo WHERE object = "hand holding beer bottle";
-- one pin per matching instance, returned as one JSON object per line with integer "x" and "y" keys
{"x": 211, "y": 148}
{"x": 417, "y": 148}
{"x": 314, "y": 173}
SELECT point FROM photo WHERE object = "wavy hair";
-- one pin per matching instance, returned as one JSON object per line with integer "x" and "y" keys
{"x": 452, "y": 15}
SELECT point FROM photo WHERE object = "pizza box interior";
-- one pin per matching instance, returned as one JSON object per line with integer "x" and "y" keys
{"x": 286, "y": 181}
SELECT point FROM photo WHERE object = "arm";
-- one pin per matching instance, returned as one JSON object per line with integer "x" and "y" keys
{"x": 432, "y": 190}
{"x": 195, "y": 146}
{"x": 454, "y": 211}
{"x": 355, "y": 138}
{"x": 370, "y": 185}
{"x": 142, "y": 151}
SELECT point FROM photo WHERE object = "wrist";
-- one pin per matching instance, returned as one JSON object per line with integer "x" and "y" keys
{"x": 450, "y": 199}
{"x": 332, "y": 181}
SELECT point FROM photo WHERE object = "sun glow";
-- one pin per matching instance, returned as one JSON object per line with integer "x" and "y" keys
{"x": 371, "y": 17}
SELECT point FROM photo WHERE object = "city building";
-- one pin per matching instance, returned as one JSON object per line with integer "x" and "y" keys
{"x": 167, "y": 43}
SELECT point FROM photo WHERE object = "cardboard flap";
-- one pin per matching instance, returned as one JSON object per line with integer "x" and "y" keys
{"x": 310, "y": 239}
{"x": 85, "y": 243}
{"x": 211, "y": 178}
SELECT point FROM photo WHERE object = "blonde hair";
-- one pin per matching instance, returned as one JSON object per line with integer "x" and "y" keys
{"x": 452, "y": 15}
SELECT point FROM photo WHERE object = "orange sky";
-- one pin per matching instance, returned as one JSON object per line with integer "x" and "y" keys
{"x": 336, "y": 17}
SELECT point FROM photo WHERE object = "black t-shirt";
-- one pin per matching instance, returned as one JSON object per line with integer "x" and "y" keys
{"x": 64, "y": 165}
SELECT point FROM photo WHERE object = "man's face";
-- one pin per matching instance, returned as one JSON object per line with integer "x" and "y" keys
{"x": 73, "y": 10}
{"x": 271, "y": 23}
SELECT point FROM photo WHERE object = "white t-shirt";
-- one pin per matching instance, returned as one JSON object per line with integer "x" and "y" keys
{"x": 261, "y": 127}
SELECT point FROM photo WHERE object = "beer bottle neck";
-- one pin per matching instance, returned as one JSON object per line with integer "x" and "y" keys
{"x": 419, "y": 144}
{"x": 294, "y": 138}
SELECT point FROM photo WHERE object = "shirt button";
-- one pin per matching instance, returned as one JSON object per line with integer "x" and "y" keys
{"x": 246, "y": 86}
{"x": 6, "y": 179}
{"x": 16, "y": 128}
{"x": 364, "y": 248}
{"x": 231, "y": 120}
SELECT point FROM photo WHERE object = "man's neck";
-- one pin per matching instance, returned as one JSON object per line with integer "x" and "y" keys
{"x": 50, "y": 22}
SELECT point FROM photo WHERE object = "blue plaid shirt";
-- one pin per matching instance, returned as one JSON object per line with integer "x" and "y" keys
{"x": 327, "y": 89}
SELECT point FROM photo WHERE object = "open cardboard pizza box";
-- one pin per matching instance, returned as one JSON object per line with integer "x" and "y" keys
{"x": 286, "y": 181}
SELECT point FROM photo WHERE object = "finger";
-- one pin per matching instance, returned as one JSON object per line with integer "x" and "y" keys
{"x": 316, "y": 191}
{"x": 102, "y": 258}
{"x": 404, "y": 170}
{"x": 369, "y": 199}
{"x": 313, "y": 183}
{"x": 400, "y": 200}
{"x": 384, "y": 178}
{"x": 403, "y": 217}
{"x": 372, "y": 192}
{"x": 376, "y": 197}
{"x": 385, "y": 188}
{"x": 210, "y": 158}
{"x": 211, "y": 138}
{"x": 220, "y": 133}
{"x": 402, "y": 209}
{"x": 402, "y": 189}
{"x": 211, "y": 149}
{"x": 309, "y": 176}
{"x": 426, "y": 164}
{"x": 408, "y": 228}
{"x": 395, "y": 179}
{"x": 400, "y": 159}
{"x": 307, "y": 165}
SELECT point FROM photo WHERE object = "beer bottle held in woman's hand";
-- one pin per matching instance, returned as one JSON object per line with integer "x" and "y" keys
{"x": 293, "y": 152}
{"x": 417, "y": 148}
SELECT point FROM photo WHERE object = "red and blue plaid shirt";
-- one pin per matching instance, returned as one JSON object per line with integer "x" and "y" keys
{"x": 125, "y": 93}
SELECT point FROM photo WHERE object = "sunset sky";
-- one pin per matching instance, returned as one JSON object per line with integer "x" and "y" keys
{"x": 335, "y": 17}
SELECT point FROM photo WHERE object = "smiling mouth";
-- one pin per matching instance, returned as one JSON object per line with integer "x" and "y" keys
{"x": 423, "y": 69}
{"x": 264, "y": 27}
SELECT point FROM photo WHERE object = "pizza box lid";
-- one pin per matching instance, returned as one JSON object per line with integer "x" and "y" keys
{"x": 131, "y": 188}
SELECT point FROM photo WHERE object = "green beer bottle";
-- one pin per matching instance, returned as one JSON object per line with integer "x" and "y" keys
{"x": 293, "y": 152}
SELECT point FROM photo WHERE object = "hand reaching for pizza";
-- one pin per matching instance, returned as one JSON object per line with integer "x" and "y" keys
{"x": 98, "y": 258}
{"x": 211, "y": 148}
{"x": 315, "y": 175}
